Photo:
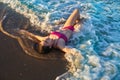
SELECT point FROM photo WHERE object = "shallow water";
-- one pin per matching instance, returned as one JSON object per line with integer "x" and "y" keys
{"x": 98, "y": 41}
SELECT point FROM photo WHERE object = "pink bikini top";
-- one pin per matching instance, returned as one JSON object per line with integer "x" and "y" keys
{"x": 61, "y": 35}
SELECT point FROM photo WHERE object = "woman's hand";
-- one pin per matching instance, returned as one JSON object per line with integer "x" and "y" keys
{"x": 54, "y": 40}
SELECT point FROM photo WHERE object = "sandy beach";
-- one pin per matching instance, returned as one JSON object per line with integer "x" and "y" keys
{"x": 16, "y": 65}
{"x": 97, "y": 41}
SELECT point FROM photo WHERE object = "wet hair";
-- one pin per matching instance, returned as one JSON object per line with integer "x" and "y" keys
{"x": 42, "y": 49}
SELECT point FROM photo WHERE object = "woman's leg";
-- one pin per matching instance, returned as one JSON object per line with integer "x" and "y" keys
{"x": 71, "y": 21}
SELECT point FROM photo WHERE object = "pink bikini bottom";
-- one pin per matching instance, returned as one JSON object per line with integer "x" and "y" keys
{"x": 69, "y": 27}
{"x": 61, "y": 35}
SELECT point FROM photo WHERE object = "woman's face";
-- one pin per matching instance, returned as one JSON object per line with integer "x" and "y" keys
{"x": 46, "y": 42}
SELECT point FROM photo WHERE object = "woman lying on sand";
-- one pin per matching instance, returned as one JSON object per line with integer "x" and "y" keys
{"x": 56, "y": 39}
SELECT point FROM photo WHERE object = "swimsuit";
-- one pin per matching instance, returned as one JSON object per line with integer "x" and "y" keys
{"x": 69, "y": 27}
{"x": 61, "y": 35}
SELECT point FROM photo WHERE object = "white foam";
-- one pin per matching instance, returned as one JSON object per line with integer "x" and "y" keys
{"x": 105, "y": 78}
{"x": 94, "y": 60}
{"x": 24, "y": 10}
{"x": 85, "y": 62}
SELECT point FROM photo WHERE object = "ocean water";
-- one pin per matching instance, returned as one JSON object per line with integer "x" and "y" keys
{"x": 98, "y": 41}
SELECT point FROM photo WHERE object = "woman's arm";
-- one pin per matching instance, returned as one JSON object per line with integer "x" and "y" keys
{"x": 66, "y": 49}
{"x": 34, "y": 37}
{"x": 61, "y": 45}
{"x": 73, "y": 18}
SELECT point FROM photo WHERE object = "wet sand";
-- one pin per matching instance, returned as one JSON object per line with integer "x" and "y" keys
{"x": 15, "y": 64}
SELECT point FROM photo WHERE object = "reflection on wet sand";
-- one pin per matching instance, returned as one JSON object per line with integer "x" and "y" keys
{"x": 12, "y": 22}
